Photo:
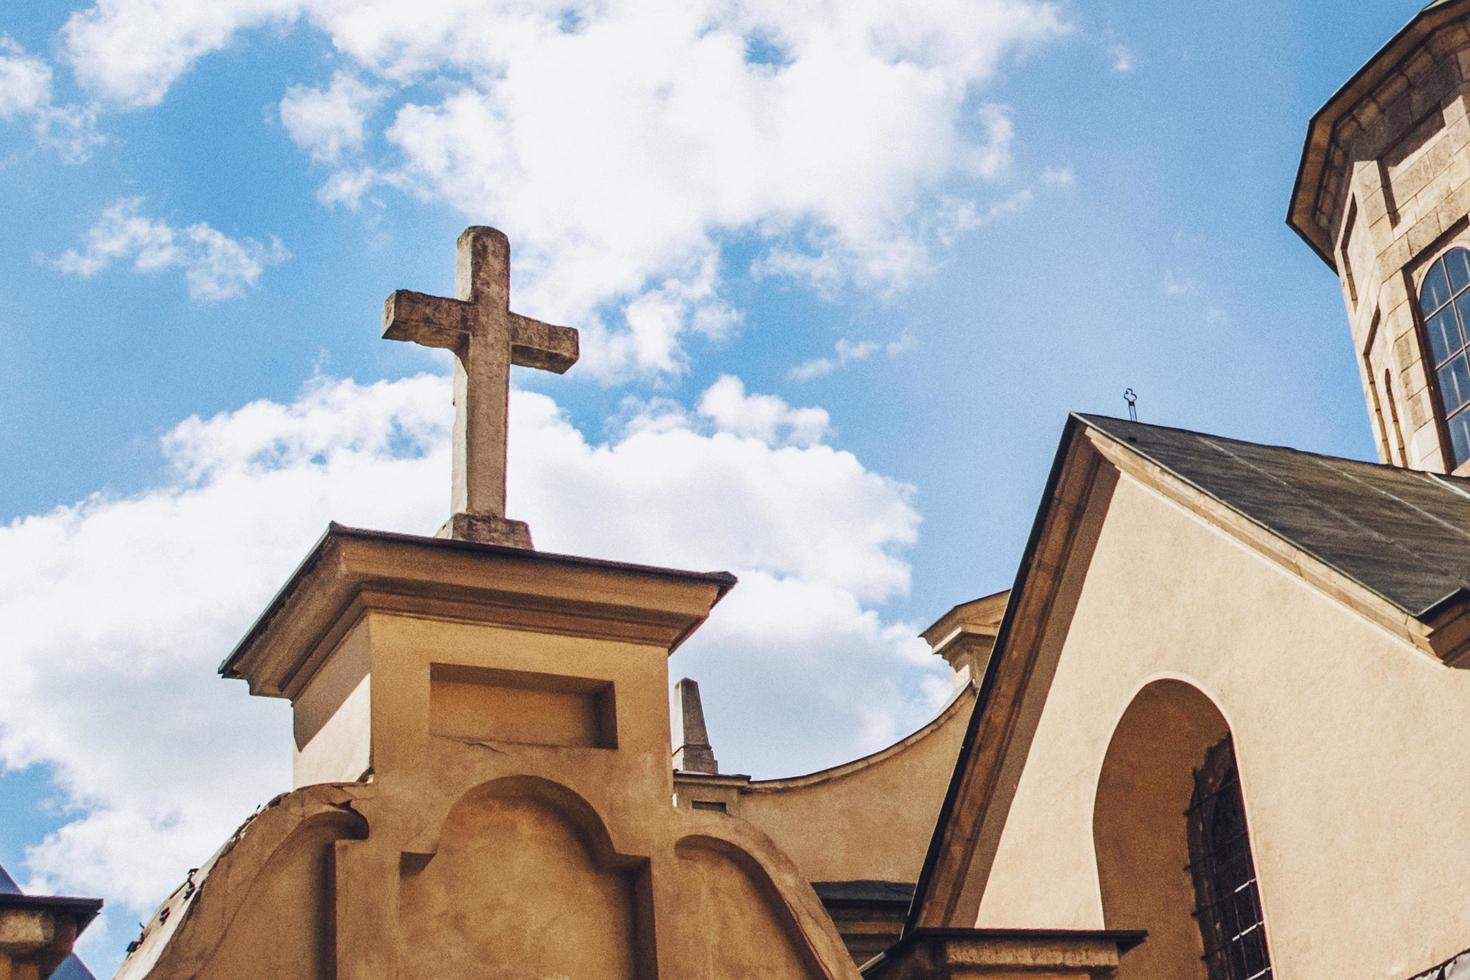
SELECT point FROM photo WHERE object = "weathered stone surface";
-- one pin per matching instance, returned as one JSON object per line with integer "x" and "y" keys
{"x": 1004, "y": 954}
{"x": 694, "y": 753}
{"x": 486, "y": 339}
{"x": 1393, "y": 149}
{"x": 37, "y": 932}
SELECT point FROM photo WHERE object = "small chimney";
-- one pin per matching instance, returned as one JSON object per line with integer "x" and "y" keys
{"x": 693, "y": 753}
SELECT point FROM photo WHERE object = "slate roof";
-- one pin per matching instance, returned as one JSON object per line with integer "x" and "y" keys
{"x": 1401, "y": 534}
{"x": 7, "y": 883}
{"x": 894, "y": 893}
{"x": 72, "y": 968}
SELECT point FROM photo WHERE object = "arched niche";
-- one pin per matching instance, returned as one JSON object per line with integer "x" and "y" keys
{"x": 1140, "y": 828}
{"x": 293, "y": 900}
{"x": 525, "y": 883}
{"x": 756, "y": 934}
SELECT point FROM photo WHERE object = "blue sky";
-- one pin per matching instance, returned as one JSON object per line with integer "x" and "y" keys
{"x": 841, "y": 276}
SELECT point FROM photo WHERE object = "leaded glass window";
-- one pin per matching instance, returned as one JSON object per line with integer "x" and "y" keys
{"x": 1227, "y": 896}
{"x": 1444, "y": 302}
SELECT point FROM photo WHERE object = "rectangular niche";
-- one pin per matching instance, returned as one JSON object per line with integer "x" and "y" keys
{"x": 490, "y": 705}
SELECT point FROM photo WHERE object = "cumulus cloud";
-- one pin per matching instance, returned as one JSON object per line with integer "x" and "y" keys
{"x": 215, "y": 266}
{"x": 116, "y": 609}
{"x": 26, "y": 93}
{"x": 324, "y": 122}
{"x": 131, "y": 51}
{"x": 624, "y": 143}
{"x": 655, "y": 323}
{"x": 846, "y": 352}
{"x": 25, "y": 80}
{"x": 764, "y": 417}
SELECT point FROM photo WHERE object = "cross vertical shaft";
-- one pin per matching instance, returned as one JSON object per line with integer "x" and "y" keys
{"x": 481, "y": 379}
{"x": 486, "y": 339}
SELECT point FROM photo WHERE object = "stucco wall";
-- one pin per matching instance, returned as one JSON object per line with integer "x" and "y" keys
{"x": 870, "y": 819}
{"x": 516, "y": 821}
{"x": 1356, "y": 783}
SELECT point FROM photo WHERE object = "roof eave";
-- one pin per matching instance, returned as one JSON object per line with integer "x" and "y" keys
{"x": 1324, "y": 120}
{"x": 347, "y": 564}
{"x": 938, "y": 841}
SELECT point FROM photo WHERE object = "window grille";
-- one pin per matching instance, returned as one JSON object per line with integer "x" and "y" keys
{"x": 1444, "y": 303}
{"x": 1227, "y": 897}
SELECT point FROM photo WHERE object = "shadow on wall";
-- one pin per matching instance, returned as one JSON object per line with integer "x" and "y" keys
{"x": 1141, "y": 832}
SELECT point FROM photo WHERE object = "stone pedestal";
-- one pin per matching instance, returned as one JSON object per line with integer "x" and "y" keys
{"x": 37, "y": 932}
{"x": 482, "y": 763}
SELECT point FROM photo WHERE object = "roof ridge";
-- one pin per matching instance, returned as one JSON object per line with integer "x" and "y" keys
{"x": 1398, "y": 517}
{"x": 1460, "y": 483}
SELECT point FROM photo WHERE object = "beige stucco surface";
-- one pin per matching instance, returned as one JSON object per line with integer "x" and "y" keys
{"x": 1347, "y": 740}
{"x": 498, "y": 799}
{"x": 871, "y": 819}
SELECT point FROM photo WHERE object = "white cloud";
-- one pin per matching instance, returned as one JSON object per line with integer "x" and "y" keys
{"x": 763, "y": 417}
{"x": 846, "y": 352}
{"x": 131, "y": 51}
{"x": 656, "y": 322}
{"x": 325, "y": 122}
{"x": 621, "y": 142}
{"x": 784, "y": 658}
{"x": 215, "y": 266}
{"x": 1058, "y": 177}
{"x": 116, "y": 610}
{"x": 348, "y": 187}
{"x": 993, "y": 156}
{"x": 25, "y": 81}
{"x": 1179, "y": 284}
{"x": 1121, "y": 57}
{"x": 26, "y": 92}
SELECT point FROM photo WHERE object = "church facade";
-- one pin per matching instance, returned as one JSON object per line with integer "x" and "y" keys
{"x": 1213, "y": 732}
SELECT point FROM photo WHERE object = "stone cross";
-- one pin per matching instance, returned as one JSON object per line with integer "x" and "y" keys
{"x": 486, "y": 338}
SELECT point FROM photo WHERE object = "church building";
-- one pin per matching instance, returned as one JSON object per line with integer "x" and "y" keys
{"x": 1211, "y": 733}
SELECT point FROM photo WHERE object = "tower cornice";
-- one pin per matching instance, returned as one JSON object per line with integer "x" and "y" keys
{"x": 1365, "y": 106}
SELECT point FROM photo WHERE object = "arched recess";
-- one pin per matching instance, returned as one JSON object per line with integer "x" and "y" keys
{"x": 1141, "y": 832}
{"x": 525, "y": 883}
{"x": 719, "y": 882}
{"x": 293, "y": 900}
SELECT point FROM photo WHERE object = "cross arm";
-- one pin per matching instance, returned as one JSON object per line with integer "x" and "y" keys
{"x": 434, "y": 321}
{"x": 542, "y": 345}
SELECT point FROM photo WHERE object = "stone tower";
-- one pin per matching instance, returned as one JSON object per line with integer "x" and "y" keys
{"x": 1383, "y": 196}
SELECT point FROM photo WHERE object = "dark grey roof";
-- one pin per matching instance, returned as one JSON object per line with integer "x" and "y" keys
{"x": 1402, "y": 534}
{"x": 72, "y": 968}
{"x": 896, "y": 893}
{"x": 7, "y": 884}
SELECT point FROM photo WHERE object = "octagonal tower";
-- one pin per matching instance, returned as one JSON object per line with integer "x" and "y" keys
{"x": 1383, "y": 196}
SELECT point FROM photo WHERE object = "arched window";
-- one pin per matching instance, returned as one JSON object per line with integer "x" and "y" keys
{"x": 1227, "y": 898}
{"x": 1444, "y": 302}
